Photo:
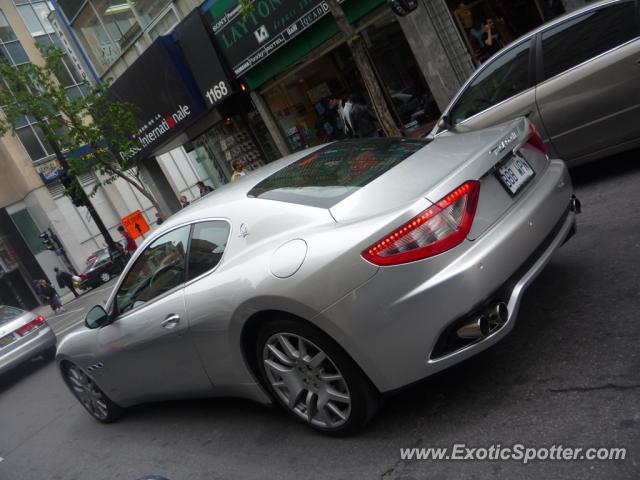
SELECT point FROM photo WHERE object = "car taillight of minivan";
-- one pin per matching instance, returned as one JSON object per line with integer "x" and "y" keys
{"x": 37, "y": 322}
{"x": 535, "y": 140}
{"x": 437, "y": 229}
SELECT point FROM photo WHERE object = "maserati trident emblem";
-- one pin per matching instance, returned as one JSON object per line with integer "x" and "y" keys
{"x": 243, "y": 231}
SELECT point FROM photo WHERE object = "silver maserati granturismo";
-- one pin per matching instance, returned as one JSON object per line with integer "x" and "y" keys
{"x": 330, "y": 278}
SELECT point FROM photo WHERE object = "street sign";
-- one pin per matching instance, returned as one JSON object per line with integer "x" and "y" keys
{"x": 135, "y": 224}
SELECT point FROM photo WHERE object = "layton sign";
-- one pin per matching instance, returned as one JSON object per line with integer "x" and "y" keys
{"x": 246, "y": 41}
{"x": 135, "y": 224}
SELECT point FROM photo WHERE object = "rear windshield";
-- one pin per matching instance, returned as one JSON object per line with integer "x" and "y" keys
{"x": 329, "y": 175}
{"x": 8, "y": 313}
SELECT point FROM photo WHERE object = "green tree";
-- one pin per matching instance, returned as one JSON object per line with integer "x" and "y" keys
{"x": 107, "y": 126}
{"x": 362, "y": 60}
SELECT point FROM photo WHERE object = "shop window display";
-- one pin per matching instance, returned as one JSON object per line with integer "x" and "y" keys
{"x": 510, "y": 18}
{"x": 309, "y": 104}
{"x": 215, "y": 150}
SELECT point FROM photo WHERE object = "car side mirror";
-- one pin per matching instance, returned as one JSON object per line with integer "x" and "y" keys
{"x": 444, "y": 123}
{"x": 96, "y": 317}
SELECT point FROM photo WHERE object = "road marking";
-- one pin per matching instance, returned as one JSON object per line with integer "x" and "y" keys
{"x": 74, "y": 325}
{"x": 58, "y": 315}
{"x": 1, "y": 459}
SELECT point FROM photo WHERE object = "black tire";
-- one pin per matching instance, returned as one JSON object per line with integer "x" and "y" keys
{"x": 364, "y": 398}
{"x": 93, "y": 399}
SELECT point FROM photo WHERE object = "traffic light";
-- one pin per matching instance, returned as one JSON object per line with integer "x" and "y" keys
{"x": 403, "y": 7}
{"x": 73, "y": 189}
{"x": 47, "y": 241}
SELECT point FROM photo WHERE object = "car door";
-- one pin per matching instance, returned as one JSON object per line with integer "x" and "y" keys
{"x": 588, "y": 93}
{"x": 500, "y": 90}
{"x": 147, "y": 352}
{"x": 211, "y": 294}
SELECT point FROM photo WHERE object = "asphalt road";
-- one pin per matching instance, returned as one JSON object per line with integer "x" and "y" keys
{"x": 568, "y": 374}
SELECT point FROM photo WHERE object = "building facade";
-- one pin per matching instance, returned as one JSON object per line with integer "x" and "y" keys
{"x": 289, "y": 58}
{"x": 31, "y": 196}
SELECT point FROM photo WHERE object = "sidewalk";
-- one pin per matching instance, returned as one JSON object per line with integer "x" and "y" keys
{"x": 45, "y": 310}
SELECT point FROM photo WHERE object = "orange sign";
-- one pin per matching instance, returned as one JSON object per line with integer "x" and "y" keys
{"x": 135, "y": 224}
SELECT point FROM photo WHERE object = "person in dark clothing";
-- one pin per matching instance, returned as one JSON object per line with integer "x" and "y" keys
{"x": 65, "y": 279}
{"x": 204, "y": 189}
{"x": 50, "y": 295}
{"x": 490, "y": 40}
{"x": 363, "y": 120}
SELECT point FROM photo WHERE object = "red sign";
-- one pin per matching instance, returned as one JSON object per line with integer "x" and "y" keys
{"x": 135, "y": 224}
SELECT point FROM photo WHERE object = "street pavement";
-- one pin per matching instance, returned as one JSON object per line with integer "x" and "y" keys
{"x": 569, "y": 373}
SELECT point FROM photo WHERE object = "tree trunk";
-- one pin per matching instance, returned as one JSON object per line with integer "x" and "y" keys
{"x": 142, "y": 189}
{"x": 358, "y": 50}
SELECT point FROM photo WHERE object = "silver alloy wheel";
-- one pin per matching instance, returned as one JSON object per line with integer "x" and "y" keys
{"x": 306, "y": 380}
{"x": 105, "y": 277}
{"x": 88, "y": 393}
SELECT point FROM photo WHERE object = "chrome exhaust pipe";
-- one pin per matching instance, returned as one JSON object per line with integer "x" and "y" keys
{"x": 575, "y": 205}
{"x": 476, "y": 328}
{"x": 497, "y": 314}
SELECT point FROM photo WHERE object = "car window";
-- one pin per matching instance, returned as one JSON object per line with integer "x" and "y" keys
{"x": 502, "y": 78}
{"x": 8, "y": 314}
{"x": 208, "y": 242}
{"x": 158, "y": 269}
{"x": 579, "y": 39}
{"x": 332, "y": 173}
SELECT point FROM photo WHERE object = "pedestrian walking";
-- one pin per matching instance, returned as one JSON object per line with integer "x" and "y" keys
{"x": 184, "y": 202}
{"x": 65, "y": 279}
{"x": 130, "y": 245}
{"x": 50, "y": 295}
{"x": 204, "y": 189}
{"x": 363, "y": 120}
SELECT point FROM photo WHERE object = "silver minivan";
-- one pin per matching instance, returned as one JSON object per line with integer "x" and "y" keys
{"x": 576, "y": 78}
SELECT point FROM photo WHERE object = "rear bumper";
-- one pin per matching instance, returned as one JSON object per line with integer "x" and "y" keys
{"x": 391, "y": 324}
{"x": 44, "y": 340}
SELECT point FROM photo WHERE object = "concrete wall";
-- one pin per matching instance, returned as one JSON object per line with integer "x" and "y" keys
{"x": 430, "y": 55}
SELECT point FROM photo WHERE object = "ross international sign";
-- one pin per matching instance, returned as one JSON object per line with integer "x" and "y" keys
{"x": 163, "y": 107}
{"x": 245, "y": 42}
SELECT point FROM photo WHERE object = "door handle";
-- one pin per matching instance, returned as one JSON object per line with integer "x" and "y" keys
{"x": 171, "y": 321}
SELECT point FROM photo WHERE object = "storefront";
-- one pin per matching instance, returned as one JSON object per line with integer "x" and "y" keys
{"x": 192, "y": 110}
{"x": 233, "y": 131}
{"x": 511, "y": 19}
{"x": 288, "y": 52}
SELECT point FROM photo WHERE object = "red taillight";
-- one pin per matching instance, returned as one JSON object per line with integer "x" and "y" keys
{"x": 84, "y": 276}
{"x": 535, "y": 140}
{"x": 37, "y": 322}
{"x": 438, "y": 229}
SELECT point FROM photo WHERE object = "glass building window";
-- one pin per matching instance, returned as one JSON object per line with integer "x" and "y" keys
{"x": 148, "y": 10}
{"x": 6, "y": 32}
{"x": 106, "y": 28}
{"x": 36, "y": 18}
{"x": 101, "y": 48}
{"x": 35, "y": 14}
{"x": 119, "y": 20}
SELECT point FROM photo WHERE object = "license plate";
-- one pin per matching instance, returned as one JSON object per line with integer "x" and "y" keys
{"x": 515, "y": 174}
{"x": 6, "y": 340}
